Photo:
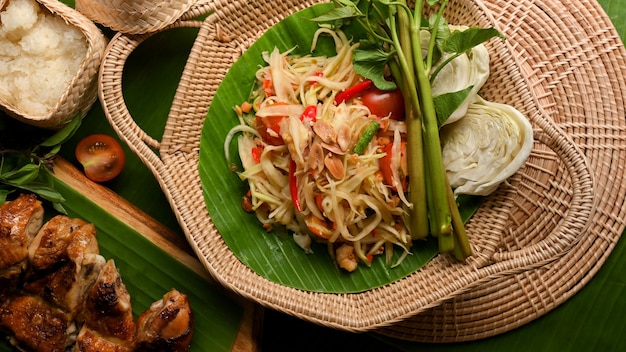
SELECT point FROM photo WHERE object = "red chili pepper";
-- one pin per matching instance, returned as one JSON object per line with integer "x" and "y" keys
{"x": 318, "y": 74}
{"x": 370, "y": 258}
{"x": 293, "y": 185}
{"x": 318, "y": 201}
{"x": 256, "y": 154}
{"x": 310, "y": 113}
{"x": 353, "y": 91}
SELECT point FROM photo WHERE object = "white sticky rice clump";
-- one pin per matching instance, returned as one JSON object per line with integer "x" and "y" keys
{"x": 39, "y": 55}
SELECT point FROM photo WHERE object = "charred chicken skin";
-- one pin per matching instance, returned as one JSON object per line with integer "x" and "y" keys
{"x": 64, "y": 262}
{"x": 167, "y": 325}
{"x": 57, "y": 293}
{"x": 19, "y": 221}
{"x": 91, "y": 341}
{"x": 108, "y": 308}
{"x": 35, "y": 324}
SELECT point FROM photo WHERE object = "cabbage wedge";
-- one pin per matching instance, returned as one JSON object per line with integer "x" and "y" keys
{"x": 469, "y": 70}
{"x": 485, "y": 147}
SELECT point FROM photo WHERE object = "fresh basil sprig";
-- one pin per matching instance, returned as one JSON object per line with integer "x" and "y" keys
{"x": 26, "y": 163}
{"x": 393, "y": 44}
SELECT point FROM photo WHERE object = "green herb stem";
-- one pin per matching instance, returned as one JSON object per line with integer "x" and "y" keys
{"x": 396, "y": 33}
{"x": 442, "y": 65}
{"x": 433, "y": 37}
{"x": 438, "y": 209}
{"x": 462, "y": 248}
{"x": 418, "y": 215}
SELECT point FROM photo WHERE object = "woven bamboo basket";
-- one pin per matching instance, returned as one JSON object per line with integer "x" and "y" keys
{"x": 136, "y": 16}
{"x": 536, "y": 240}
{"x": 82, "y": 90}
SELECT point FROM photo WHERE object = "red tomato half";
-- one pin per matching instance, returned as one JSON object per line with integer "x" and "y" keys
{"x": 267, "y": 123}
{"x": 102, "y": 157}
{"x": 382, "y": 103}
{"x": 269, "y": 127}
{"x": 386, "y": 170}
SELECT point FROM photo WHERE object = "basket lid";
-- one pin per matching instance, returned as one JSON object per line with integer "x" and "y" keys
{"x": 134, "y": 17}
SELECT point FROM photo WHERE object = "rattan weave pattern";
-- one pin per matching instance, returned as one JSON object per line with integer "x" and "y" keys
{"x": 574, "y": 59}
{"x": 82, "y": 90}
{"x": 137, "y": 16}
{"x": 536, "y": 241}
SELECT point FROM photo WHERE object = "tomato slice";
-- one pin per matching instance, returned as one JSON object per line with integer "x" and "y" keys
{"x": 101, "y": 156}
{"x": 386, "y": 168}
{"x": 383, "y": 103}
{"x": 269, "y": 128}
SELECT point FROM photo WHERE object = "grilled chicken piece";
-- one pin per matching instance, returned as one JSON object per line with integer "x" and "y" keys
{"x": 107, "y": 308}
{"x": 20, "y": 219}
{"x": 36, "y": 325}
{"x": 49, "y": 248}
{"x": 52, "y": 277}
{"x": 67, "y": 286}
{"x": 90, "y": 341}
{"x": 167, "y": 325}
{"x": 64, "y": 262}
{"x": 83, "y": 242}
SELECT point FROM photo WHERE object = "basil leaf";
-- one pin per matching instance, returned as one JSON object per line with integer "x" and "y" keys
{"x": 4, "y": 193}
{"x": 371, "y": 64}
{"x": 338, "y": 14}
{"x": 21, "y": 176}
{"x": 43, "y": 186}
{"x": 27, "y": 168}
{"x": 462, "y": 41}
{"x": 46, "y": 192}
{"x": 63, "y": 134}
{"x": 446, "y": 104}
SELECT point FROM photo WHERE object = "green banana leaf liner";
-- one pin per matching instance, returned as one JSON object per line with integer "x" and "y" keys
{"x": 148, "y": 272}
{"x": 274, "y": 255}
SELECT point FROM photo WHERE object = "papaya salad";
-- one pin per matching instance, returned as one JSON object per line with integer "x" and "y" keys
{"x": 321, "y": 150}
{"x": 325, "y": 152}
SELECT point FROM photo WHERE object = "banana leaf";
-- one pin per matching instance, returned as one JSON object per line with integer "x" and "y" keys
{"x": 275, "y": 255}
{"x": 151, "y": 75}
{"x": 148, "y": 272}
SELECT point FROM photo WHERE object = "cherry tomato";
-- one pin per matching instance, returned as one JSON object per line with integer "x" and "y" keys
{"x": 382, "y": 103}
{"x": 102, "y": 157}
{"x": 386, "y": 170}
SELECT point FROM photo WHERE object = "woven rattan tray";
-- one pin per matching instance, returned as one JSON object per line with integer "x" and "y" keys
{"x": 536, "y": 241}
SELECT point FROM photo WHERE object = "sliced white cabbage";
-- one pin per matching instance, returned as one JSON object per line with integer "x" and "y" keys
{"x": 462, "y": 72}
{"x": 296, "y": 136}
{"x": 484, "y": 148}
{"x": 283, "y": 109}
{"x": 282, "y": 79}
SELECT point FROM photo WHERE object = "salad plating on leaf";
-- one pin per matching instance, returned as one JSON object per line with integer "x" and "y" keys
{"x": 346, "y": 150}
